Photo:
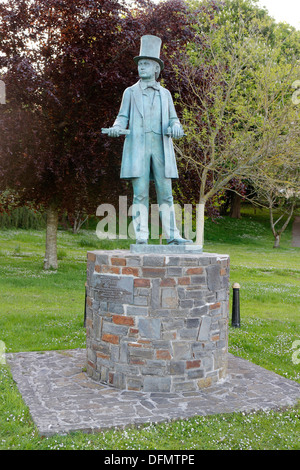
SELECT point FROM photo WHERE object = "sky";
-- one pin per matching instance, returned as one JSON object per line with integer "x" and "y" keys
{"x": 283, "y": 10}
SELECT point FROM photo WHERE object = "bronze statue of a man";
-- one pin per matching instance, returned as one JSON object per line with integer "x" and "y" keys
{"x": 147, "y": 110}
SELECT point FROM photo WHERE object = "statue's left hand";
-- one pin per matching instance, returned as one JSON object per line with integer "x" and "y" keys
{"x": 177, "y": 131}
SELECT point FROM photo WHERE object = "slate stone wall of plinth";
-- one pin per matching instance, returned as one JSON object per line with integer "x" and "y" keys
{"x": 157, "y": 323}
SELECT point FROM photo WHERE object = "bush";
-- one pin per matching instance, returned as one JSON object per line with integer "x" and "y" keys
{"x": 24, "y": 218}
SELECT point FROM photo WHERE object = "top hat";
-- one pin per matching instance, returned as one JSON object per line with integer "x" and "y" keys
{"x": 150, "y": 49}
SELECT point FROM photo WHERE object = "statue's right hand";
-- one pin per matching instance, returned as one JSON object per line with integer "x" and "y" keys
{"x": 113, "y": 132}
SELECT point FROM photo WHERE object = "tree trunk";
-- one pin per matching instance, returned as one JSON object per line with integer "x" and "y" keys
{"x": 200, "y": 224}
{"x": 277, "y": 234}
{"x": 78, "y": 222}
{"x": 235, "y": 209}
{"x": 277, "y": 241}
{"x": 50, "y": 260}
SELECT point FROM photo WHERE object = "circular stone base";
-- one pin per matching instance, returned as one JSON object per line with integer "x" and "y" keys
{"x": 157, "y": 322}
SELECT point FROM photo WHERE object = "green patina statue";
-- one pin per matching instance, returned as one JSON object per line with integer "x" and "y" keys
{"x": 148, "y": 118}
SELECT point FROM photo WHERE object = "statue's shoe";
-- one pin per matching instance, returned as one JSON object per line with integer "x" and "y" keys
{"x": 141, "y": 242}
{"x": 180, "y": 241}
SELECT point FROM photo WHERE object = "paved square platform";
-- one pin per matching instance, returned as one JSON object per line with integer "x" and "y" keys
{"x": 62, "y": 398}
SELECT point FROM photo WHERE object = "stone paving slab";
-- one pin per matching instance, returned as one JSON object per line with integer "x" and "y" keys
{"x": 62, "y": 398}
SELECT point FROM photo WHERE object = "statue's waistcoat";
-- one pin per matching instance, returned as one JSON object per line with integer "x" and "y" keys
{"x": 152, "y": 111}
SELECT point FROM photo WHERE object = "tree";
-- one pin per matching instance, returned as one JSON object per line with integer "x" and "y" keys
{"x": 277, "y": 181}
{"x": 66, "y": 65}
{"x": 234, "y": 93}
{"x": 62, "y": 68}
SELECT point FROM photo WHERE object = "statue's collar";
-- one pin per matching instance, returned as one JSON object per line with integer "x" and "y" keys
{"x": 145, "y": 85}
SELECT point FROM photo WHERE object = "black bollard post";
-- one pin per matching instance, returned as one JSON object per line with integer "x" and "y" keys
{"x": 236, "y": 306}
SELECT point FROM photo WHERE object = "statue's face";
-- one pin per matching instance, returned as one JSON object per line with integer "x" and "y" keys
{"x": 147, "y": 69}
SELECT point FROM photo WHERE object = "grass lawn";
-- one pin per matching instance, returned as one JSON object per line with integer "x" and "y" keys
{"x": 42, "y": 310}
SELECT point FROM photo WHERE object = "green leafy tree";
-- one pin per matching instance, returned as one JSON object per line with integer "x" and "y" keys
{"x": 277, "y": 180}
{"x": 235, "y": 96}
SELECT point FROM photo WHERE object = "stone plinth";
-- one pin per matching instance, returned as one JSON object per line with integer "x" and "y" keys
{"x": 157, "y": 322}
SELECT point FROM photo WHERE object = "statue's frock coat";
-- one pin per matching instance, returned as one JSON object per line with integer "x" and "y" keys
{"x": 131, "y": 115}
